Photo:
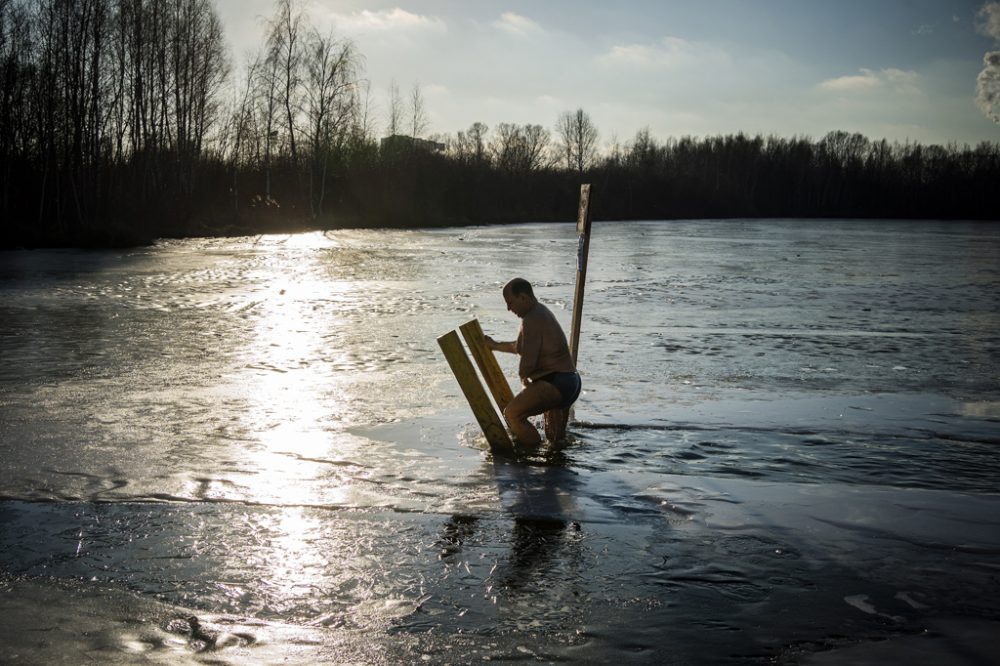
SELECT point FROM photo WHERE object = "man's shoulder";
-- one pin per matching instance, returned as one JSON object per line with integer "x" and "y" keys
{"x": 540, "y": 315}
{"x": 538, "y": 311}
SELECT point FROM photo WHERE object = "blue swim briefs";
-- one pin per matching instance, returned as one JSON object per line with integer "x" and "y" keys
{"x": 567, "y": 383}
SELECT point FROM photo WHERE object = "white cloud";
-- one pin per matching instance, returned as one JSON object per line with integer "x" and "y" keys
{"x": 890, "y": 79}
{"x": 515, "y": 24}
{"x": 989, "y": 20}
{"x": 906, "y": 82}
{"x": 669, "y": 52}
{"x": 923, "y": 30}
{"x": 386, "y": 20}
{"x": 631, "y": 54}
{"x": 866, "y": 80}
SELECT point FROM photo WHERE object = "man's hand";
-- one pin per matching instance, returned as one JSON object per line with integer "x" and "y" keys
{"x": 509, "y": 347}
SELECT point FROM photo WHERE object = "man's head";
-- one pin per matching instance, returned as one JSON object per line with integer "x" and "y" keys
{"x": 519, "y": 296}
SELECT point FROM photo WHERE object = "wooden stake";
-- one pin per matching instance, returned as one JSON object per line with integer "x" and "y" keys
{"x": 487, "y": 362}
{"x": 583, "y": 221}
{"x": 468, "y": 380}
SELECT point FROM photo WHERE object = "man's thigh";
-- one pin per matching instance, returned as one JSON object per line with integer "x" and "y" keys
{"x": 536, "y": 398}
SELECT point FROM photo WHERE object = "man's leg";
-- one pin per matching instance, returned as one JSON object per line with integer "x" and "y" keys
{"x": 555, "y": 424}
{"x": 536, "y": 398}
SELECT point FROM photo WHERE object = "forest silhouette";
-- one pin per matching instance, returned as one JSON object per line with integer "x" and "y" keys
{"x": 122, "y": 121}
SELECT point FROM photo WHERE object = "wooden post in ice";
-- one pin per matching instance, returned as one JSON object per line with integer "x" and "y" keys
{"x": 583, "y": 249}
{"x": 490, "y": 422}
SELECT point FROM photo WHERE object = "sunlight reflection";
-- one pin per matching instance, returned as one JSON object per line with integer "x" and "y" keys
{"x": 294, "y": 397}
{"x": 982, "y": 409}
{"x": 297, "y": 564}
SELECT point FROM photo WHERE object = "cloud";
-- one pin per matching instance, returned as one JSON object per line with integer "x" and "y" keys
{"x": 435, "y": 90}
{"x": 631, "y": 54}
{"x": 867, "y": 80}
{"x": 387, "y": 20}
{"x": 890, "y": 79}
{"x": 988, "y": 22}
{"x": 988, "y": 87}
{"x": 517, "y": 25}
{"x": 923, "y": 30}
{"x": 669, "y": 52}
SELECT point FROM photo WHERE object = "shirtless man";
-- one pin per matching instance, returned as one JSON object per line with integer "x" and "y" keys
{"x": 551, "y": 383}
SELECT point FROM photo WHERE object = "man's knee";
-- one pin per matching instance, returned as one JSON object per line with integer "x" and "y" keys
{"x": 512, "y": 413}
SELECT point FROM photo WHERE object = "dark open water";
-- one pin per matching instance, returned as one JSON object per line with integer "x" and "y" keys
{"x": 786, "y": 450}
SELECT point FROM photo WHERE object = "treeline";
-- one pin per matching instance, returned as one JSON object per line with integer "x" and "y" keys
{"x": 841, "y": 175}
{"x": 108, "y": 114}
{"x": 123, "y": 120}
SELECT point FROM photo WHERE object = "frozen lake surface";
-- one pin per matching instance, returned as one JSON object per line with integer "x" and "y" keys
{"x": 786, "y": 449}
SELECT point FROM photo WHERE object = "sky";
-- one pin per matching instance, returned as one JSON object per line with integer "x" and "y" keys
{"x": 905, "y": 70}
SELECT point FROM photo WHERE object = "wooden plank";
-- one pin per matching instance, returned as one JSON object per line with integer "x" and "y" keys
{"x": 583, "y": 223}
{"x": 490, "y": 422}
{"x": 487, "y": 362}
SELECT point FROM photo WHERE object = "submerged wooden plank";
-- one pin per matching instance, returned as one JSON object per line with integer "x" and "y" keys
{"x": 487, "y": 362}
{"x": 468, "y": 380}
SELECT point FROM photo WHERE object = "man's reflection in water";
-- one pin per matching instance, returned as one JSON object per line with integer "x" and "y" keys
{"x": 454, "y": 533}
{"x": 544, "y": 553}
{"x": 535, "y": 545}
{"x": 542, "y": 496}
{"x": 532, "y": 574}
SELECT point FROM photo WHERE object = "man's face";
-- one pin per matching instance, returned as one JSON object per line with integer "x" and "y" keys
{"x": 519, "y": 304}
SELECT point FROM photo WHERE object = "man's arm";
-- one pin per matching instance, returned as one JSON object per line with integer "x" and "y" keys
{"x": 508, "y": 347}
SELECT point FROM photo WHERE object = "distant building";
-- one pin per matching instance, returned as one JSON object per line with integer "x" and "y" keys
{"x": 401, "y": 141}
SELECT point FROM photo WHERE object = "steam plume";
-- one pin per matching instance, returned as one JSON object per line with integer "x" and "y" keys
{"x": 988, "y": 81}
{"x": 989, "y": 20}
{"x": 988, "y": 87}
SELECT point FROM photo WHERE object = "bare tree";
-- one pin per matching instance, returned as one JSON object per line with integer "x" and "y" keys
{"x": 364, "y": 124}
{"x": 66, "y": 102}
{"x": 477, "y": 138}
{"x": 15, "y": 49}
{"x": 470, "y": 146}
{"x": 418, "y": 114}
{"x": 519, "y": 148}
{"x": 197, "y": 68}
{"x": 284, "y": 44}
{"x": 267, "y": 102}
{"x": 245, "y": 141}
{"x": 503, "y": 148}
{"x": 642, "y": 153}
{"x": 331, "y": 105}
{"x": 395, "y": 119}
{"x": 579, "y": 139}
{"x": 103, "y": 84}
{"x": 536, "y": 147}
